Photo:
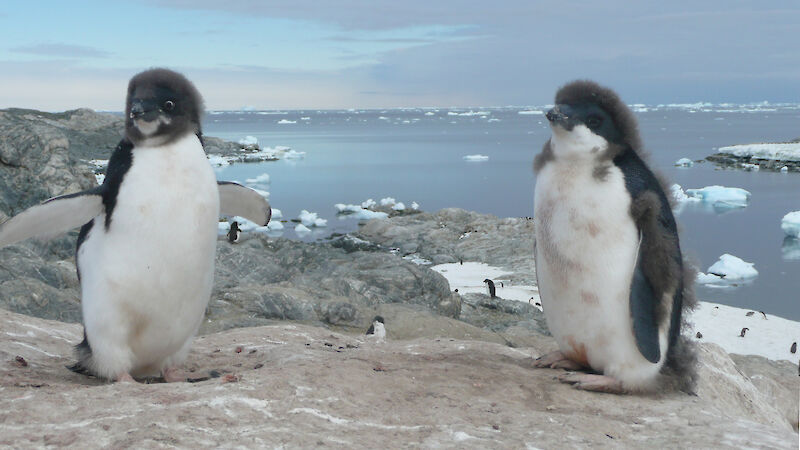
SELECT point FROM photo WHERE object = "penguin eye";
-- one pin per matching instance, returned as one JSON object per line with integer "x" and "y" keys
{"x": 594, "y": 122}
{"x": 168, "y": 105}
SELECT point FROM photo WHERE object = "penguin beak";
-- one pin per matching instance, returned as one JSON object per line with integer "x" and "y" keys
{"x": 143, "y": 110}
{"x": 558, "y": 115}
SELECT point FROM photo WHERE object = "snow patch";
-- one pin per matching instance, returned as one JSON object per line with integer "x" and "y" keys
{"x": 778, "y": 152}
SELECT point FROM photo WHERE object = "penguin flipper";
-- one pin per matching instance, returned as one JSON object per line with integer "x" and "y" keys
{"x": 237, "y": 200}
{"x": 643, "y": 306}
{"x": 53, "y": 216}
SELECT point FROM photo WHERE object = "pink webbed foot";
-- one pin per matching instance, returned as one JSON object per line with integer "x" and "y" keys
{"x": 556, "y": 360}
{"x": 125, "y": 378}
{"x": 173, "y": 374}
{"x": 590, "y": 382}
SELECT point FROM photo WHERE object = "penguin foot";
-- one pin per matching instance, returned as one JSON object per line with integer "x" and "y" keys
{"x": 591, "y": 382}
{"x": 173, "y": 374}
{"x": 556, "y": 360}
{"x": 125, "y": 377}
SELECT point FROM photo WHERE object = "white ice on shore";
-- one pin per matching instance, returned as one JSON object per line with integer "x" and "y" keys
{"x": 310, "y": 219}
{"x": 476, "y": 158}
{"x": 261, "y": 179}
{"x": 248, "y": 141}
{"x": 99, "y": 163}
{"x": 418, "y": 260}
{"x": 360, "y": 212}
{"x": 719, "y": 324}
{"x": 369, "y": 203}
{"x": 790, "y": 224}
{"x": 684, "y": 162}
{"x": 721, "y": 197}
{"x": 778, "y": 152}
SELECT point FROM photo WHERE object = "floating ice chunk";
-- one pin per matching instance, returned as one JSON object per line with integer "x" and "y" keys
{"x": 680, "y": 196}
{"x": 310, "y": 219}
{"x": 275, "y": 225}
{"x": 684, "y": 162}
{"x": 293, "y": 154}
{"x": 784, "y": 169}
{"x": 369, "y": 203}
{"x": 730, "y": 267}
{"x": 779, "y": 152}
{"x": 341, "y": 207}
{"x": 301, "y": 229}
{"x": 261, "y": 179}
{"x": 721, "y": 197}
{"x": 366, "y": 214}
{"x": 476, "y": 158}
{"x": 493, "y": 120}
{"x": 399, "y": 206}
{"x": 388, "y": 201}
{"x": 530, "y": 112}
{"x": 383, "y": 118}
{"x": 414, "y": 206}
{"x": 750, "y": 167}
{"x": 248, "y": 141}
{"x": 468, "y": 113}
{"x": 430, "y": 113}
{"x": 276, "y": 214}
{"x": 790, "y": 224}
{"x": 286, "y": 121}
{"x": 305, "y": 118}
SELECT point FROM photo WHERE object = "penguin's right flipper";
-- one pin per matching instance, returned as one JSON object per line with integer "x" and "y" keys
{"x": 53, "y": 216}
{"x": 237, "y": 200}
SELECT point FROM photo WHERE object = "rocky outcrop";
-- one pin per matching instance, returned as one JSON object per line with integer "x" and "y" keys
{"x": 299, "y": 386}
{"x": 453, "y": 234}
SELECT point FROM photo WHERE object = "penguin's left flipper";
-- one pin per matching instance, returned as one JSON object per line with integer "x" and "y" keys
{"x": 237, "y": 200}
{"x": 643, "y": 304}
{"x": 54, "y": 216}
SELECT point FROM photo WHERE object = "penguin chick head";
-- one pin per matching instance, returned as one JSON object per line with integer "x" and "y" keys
{"x": 162, "y": 105}
{"x": 591, "y": 119}
{"x": 378, "y": 319}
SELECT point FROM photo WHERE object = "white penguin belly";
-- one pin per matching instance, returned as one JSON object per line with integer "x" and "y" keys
{"x": 586, "y": 250}
{"x": 146, "y": 280}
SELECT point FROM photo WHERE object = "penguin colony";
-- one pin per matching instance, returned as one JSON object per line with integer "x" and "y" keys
{"x": 144, "y": 292}
{"x": 608, "y": 260}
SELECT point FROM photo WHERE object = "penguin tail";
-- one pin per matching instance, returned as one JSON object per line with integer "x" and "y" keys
{"x": 83, "y": 352}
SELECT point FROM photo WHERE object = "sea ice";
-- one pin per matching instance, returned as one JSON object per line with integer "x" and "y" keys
{"x": 275, "y": 225}
{"x": 530, "y": 112}
{"x": 414, "y": 206}
{"x": 790, "y": 224}
{"x": 684, "y": 162}
{"x": 261, "y": 179}
{"x": 388, "y": 201}
{"x": 790, "y": 249}
{"x": 341, "y": 207}
{"x": 430, "y": 113}
{"x": 293, "y": 154}
{"x": 310, "y": 219}
{"x": 369, "y": 203}
{"x": 399, "y": 206}
{"x": 248, "y": 141}
{"x": 276, "y": 214}
{"x": 301, "y": 229}
{"x": 468, "y": 113}
{"x": 476, "y": 158}
{"x": 728, "y": 268}
{"x": 285, "y": 121}
{"x": 721, "y": 197}
{"x": 779, "y": 152}
{"x": 751, "y": 167}
{"x": 366, "y": 214}
{"x": 784, "y": 169}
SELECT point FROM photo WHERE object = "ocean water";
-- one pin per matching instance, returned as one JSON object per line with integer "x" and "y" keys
{"x": 417, "y": 155}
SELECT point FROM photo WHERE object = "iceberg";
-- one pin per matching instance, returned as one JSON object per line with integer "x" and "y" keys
{"x": 301, "y": 229}
{"x": 399, "y": 206}
{"x": 721, "y": 197}
{"x": 684, "y": 162}
{"x": 310, "y": 219}
{"x": 728, "y": 268}
{"x": 369, "y": 203}
{"x": 414, "y": 206}
{"x": 342, "y": 208}
{"x": 276, "y": 214}
{"x": 476, "y": 158}
{"x": 790, "y": 224}
{"x": 275, "y": 225}
{"x": 293, "y": 154}
{"x": 261, "y": 179}
{"x": 469, "y": 113}
{"x": 388, "y": 201}
{"x": 285, "y": 121}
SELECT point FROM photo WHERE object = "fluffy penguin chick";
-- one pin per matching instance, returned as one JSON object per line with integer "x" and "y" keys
{"x": 377, "y": 330}
{"x": 144, "y": 292}
{"x": 608, "y": 260}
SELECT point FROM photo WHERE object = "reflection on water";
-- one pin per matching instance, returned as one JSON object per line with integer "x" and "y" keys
{"x": 791, "y": 249}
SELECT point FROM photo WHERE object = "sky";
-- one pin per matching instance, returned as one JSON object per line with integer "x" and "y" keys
{"x": 311, "y": 54}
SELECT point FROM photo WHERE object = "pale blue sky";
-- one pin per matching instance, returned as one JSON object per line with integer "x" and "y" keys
{"x": 57, "y": 55}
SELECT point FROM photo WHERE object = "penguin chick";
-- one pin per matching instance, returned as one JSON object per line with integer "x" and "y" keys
{"x": 377, "y": 329}
{"x": 144, "y": 292}
{"x": 608, "y": 260}
{"x": 234, "y": 232}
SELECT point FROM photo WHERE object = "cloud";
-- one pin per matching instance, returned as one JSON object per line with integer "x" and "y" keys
{"x": 62, "y": 51}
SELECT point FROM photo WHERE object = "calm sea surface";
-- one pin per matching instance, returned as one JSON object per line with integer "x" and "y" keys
{"x": 417, "y": 155}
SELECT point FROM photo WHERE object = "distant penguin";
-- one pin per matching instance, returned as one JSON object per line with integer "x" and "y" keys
{"x": 744, "y": 330}
{"x": 377, "y": 329}
{"x": 490, "y": 288}
{"x": 234, "y": 232}
{"x": 608, "y": 261}
{"x": 144, "y": 292}
{"x": 793, "y": 348}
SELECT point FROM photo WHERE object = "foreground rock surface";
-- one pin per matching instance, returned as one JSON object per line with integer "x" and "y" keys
{"x": 300, "y": 386}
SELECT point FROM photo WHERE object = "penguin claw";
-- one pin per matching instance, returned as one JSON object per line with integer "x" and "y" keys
{"x": 591, "y": 382}
{"x": 556, "y": 360}
{"x": 173, "y": 374}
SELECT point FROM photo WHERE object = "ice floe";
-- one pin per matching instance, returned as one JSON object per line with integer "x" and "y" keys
{"x": 530, "y": 112}
{"x": 399, "y": 206}
{"x": 720, "y": 197}
{"x": 310, "y": 219}
{"x": 790, "y": 224}
{"x": 414, "y": 206}
{"x": 476, "y": 158}
{"x": 369, "y": 203}
{"x": 261, "y": 179}
{"x": 468, "y": 113}
{"x": 301, "y": 229}
{"x": 276, "y": 214}
{"x": 684, "y": 162}
{"x": 293, "y": 154}
{"x": 387, "y": 201}
{"x": 728, "y": 270}
{"x": 286, "y": 121}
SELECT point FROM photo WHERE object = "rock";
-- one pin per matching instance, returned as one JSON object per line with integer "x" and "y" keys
{"x": 306, "y": 386}
{"x": 454, "y": 234}
{"x": 498, "y": 315}
{"x": 731, "y": 161}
